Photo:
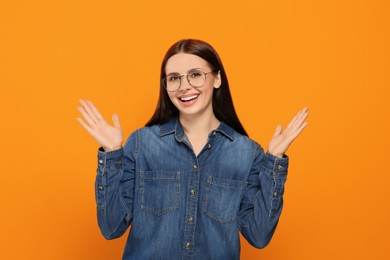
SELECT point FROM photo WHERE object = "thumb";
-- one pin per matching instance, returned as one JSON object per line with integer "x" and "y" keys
{"x": 115, "y": 120}
{"x": 278, "y": 130}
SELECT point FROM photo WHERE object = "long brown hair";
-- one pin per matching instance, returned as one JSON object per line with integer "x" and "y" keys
{"x": 222, "y": 100}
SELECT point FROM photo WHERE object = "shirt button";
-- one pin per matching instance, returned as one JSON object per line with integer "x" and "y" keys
{"x": 195, "y": 167}
{"x": 100, "y": 187}
{"x": 190, "y": 219}
{"x": 280, "y": 167}
{"x": 188, "y": 245}
{"x": 276, "y": 193}
{"x": 192, "y": 193}
{"x": 209, "y": 146}
{"x": 100, "y": 161}
{"x": 214, "y": 133}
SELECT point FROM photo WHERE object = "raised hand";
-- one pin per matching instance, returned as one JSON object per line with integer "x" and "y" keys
{"x": 282, "y": 139}
{"x": 109, "y": 137}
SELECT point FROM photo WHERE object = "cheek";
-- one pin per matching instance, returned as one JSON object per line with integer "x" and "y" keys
{"x": 173, "y": 99}
{"x": 209, "y": 88}
{"x": 171, "y": 96}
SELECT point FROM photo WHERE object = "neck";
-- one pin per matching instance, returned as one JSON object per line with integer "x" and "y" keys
{"x": 196, "y": 125}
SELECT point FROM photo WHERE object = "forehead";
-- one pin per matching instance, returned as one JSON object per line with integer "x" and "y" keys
{"x": 183, "y": 62}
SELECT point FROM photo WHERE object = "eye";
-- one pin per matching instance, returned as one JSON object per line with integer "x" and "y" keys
{"x": 173, "y": 78}
{"x": 196, "y": 74}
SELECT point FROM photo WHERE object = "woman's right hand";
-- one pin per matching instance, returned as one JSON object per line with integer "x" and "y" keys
{"x": 109, "y": 137}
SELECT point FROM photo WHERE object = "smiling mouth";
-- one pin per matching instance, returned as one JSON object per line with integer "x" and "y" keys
{"x": 187, "y": 99}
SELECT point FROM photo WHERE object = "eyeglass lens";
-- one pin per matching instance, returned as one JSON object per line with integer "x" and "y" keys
{"x": 195, "y": 78}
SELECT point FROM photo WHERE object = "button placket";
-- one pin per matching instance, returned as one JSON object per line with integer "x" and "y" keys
{"x": 191, "y": 209}
{"x": 101, "y": 166}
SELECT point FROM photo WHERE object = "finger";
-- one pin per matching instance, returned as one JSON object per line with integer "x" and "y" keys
{"x": 302, "y": 112}
{"x": 298, "y": 123}
{"x": 294, "y": 120}
{"x": 303, "y": 126}
{"x": 86, "y": 116}
{"x": 88, "y": 110}
{"x": 94, "y": 110}
{"x": 278, "y": 130}
{"x": 298, "y": 131}
{"x": 302, "y": 119}
{"x": 298, "y": 118}
{"x": 86, "y": 127}
{"x": 115, "y": 120}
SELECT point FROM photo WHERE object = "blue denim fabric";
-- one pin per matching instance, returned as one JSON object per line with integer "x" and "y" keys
{"x": 183, "y": 206}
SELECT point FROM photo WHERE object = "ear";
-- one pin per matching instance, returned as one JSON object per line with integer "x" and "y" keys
{"x": 217, "y": 80}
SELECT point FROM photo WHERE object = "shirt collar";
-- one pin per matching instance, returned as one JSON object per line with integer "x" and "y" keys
{"x": 173, "y": 125}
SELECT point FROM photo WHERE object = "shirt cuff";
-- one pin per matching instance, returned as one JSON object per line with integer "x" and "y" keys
{"x": 109, "y": 157}
{"x": 278, "y": 165}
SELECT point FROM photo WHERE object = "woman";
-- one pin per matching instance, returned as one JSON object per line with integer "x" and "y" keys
{"x": 191, "y": 179}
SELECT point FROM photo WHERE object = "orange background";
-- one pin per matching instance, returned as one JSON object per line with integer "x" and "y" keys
{"x": 330, "y": 55}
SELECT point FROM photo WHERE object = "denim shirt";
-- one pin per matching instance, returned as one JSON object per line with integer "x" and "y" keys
{"x": 183, "y": 206}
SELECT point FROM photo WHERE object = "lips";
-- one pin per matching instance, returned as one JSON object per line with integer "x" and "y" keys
{"x": 188, "y": 98}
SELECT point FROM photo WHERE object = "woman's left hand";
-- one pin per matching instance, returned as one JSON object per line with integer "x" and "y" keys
{"x": 282, "y": 139}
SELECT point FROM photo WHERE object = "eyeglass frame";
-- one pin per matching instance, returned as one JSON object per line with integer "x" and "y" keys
{"x": 186, "y": 76}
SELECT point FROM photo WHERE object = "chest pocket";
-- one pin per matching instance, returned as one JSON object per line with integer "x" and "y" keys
{"x": 160, "y": 191}
{"x": 222, "y": 198}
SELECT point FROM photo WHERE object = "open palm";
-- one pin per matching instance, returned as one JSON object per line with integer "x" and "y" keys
{"x": 109, "y": 137}
{"x": 282, "y": 139}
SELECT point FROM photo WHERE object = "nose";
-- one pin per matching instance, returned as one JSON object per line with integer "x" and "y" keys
{"x": 184, "y": 84}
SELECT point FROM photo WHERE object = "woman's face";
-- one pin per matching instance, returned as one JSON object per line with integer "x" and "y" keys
{"x": 187, "y": 99}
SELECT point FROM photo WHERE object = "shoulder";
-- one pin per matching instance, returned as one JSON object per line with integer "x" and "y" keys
{"x": 141, "y": 137}
{"x": 154, "y": 131}
{"x": 240, "y": 141}
{"x": 249, "y": 143}
{"x": 144, "y": 132}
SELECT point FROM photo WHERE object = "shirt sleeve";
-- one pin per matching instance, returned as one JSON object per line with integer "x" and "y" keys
{"x": 262, "y": 203}
{"x": 114, "y": 189}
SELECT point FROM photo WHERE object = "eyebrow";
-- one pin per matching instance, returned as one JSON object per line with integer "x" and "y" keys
{"x": 187, "y": 71}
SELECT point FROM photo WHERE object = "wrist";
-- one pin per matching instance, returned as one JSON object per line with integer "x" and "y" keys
{"x": 276, "y": 154}
{"x": 110, "y": 149}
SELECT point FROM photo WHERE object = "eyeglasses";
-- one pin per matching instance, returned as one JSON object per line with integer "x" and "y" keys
{"x": 195, "y": 78}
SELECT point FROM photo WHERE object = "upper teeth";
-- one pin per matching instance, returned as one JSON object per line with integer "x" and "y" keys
{"x": 188, "y": 98}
